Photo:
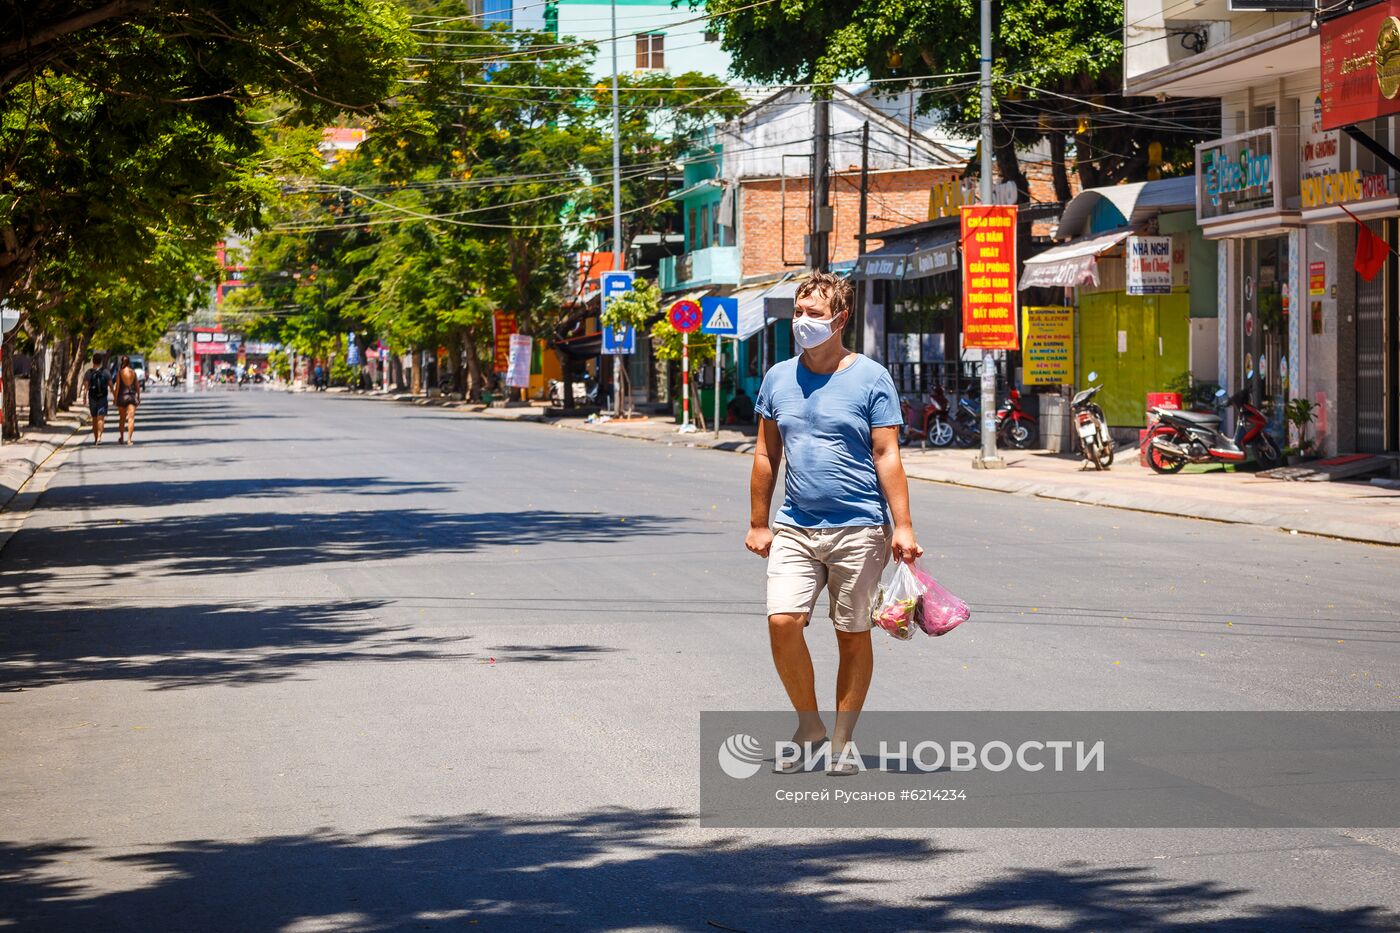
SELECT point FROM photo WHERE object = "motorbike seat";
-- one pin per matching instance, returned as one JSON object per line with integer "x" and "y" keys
{"x": 1194, "y": 417}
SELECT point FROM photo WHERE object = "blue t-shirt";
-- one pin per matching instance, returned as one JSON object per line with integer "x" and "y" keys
{"x": 825, "y": 421}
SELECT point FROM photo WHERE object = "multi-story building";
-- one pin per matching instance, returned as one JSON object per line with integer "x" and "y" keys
{"x": 746, "y": 201}
{"x": 1304, "y": 160}
{"x": 655, "y": 35}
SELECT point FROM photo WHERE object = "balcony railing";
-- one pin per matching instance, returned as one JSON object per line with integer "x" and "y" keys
{"x": 717, "y": 265}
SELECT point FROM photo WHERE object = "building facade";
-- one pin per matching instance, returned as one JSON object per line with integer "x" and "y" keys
{"x": 1284, "y": 192}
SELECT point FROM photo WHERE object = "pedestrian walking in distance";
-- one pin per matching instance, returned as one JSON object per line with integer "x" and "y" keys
{"x": 128, "y": 398}
{"x": 835, "y": 415}
{"x": 97, "y": 388}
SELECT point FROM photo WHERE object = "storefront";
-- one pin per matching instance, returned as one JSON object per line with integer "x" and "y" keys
{"x": 1246, "y": 200}
{"x": 910, "y": 292}
{"x": 1128, "y": 273}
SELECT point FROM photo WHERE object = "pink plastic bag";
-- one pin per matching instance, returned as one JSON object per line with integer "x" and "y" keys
{"x": 939, "y": 610}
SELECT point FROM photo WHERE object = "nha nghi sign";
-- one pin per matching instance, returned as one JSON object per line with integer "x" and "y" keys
{"x": 1237, "y": 175}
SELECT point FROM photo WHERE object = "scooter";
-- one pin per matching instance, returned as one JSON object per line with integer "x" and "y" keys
{"x": 1089, "y": 423}
{"x": 932, "y": 424}
{"x": 1182, "y": 437}
{"x": 1014, "y": 424}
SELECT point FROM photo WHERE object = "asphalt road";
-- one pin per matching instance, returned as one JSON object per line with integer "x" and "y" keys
{"x": 309, "y": 662}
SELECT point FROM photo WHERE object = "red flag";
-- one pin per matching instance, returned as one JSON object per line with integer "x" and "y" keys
{"x": 1371, "y": 250}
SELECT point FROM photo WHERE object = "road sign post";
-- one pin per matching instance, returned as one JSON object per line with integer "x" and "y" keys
{"x": 720, "y": 318}
{"x": 616, "y": 342}
{"x": 685, "y": 317}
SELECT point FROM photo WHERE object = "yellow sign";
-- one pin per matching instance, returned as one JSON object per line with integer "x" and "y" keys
{"x": 946, "y": 197}
{"x": 1342, "y": 188}
{"x": 1048, "y": 350}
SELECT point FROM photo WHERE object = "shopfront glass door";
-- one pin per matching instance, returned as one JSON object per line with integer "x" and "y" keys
{"x": 1264, "y": 328}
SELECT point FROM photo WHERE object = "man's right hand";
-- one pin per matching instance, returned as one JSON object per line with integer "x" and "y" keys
{"x": 759, "y": 540}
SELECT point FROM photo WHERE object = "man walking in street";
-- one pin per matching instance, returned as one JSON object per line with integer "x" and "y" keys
{"x": 128, "y": 398}
{"x": 97, "y": 386}
{"x": 836, "y": 416}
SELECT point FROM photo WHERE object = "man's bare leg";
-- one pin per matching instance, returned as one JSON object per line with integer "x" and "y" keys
{"x": 794, "y": 664}
{"x": 857, "y": 665}
{"x": 98, "y": 422}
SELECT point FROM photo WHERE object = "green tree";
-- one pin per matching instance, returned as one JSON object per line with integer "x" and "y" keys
{"x": 1057, "y": 70}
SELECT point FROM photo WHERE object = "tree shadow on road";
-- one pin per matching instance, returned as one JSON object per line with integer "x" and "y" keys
{"x": 247, "y": 542}
{"x": 228, "y": 644}
{"x": 608, "y": 869}
{"x": 153, "y": 494}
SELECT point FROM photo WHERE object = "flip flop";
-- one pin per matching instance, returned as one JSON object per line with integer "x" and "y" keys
{"x": 792, "y": 767}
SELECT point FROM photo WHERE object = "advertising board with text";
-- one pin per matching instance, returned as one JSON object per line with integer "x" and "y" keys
{"x": 504, "y": 326}
{"x": 989, "y": 277}
{"x": 1360, "y": 65}
{"x": 1149, "y": 261}
{"x": 1048, "y": 357}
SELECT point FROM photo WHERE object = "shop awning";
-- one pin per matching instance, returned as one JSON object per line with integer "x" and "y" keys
{"x": 751, "y": 316}
{"x": 933, "y": 258}
{"x": 1126, "y": 205}
{"x": 780, "y": 300}
{"x": 887, "y": 262}
{"x": 1074, "y": 263}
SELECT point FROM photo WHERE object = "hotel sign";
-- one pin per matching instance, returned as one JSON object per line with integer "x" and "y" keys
{"x": 1361, "y": 65}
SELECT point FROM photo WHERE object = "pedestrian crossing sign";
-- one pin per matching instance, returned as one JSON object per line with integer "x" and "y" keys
{"x": 719, "y": 316}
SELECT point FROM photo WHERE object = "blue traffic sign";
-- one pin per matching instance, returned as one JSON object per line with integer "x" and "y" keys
{"x": 619, "y": 341}
{"x": 612, "y": 284}
{"x": 719, "y": 316}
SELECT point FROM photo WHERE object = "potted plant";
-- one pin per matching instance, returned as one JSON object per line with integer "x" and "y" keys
{"x": 1299, "y": 413}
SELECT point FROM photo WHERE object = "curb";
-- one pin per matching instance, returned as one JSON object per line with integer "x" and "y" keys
{"x": 15, "y": 473}
{"x": 993, "y": 482}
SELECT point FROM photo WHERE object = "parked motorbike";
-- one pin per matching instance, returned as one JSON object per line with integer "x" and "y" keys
{"x": 932, "y": 424}
{"x": 1089, "y": 423}
{"x": 1182, "y": 437}
{"x": 1015, "y": 426}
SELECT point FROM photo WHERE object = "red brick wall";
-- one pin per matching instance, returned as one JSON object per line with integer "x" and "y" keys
{"x": 896, "y": 199}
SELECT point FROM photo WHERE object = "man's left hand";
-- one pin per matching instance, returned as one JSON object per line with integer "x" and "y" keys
{"x": 906, "y": 549}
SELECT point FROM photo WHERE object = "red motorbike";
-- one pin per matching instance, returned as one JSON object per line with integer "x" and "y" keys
{"x": 1182, "y": 437}
{"x": 933, "y": 424}
{"x": 1014, "y": 425}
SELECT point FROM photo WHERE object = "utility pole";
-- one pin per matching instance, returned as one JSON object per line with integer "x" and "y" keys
{"x": 864, "y": 224}
{"x": 989, "y": 456}
{"x": 618, "y": 261}
{"x": 819, "y": 256}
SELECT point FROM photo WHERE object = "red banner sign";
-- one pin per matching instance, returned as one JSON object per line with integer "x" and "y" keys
{"x": 989, "y": 277}
{"x": 505, "y": 326}
{"x": 1361, "y": 65}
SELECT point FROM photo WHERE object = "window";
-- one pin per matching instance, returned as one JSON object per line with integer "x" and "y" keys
{"x": 651, "y": 51}
{"x": 705, "y": 227}
{"x": 694, "y": 230}
{"x": 496, "y": 11}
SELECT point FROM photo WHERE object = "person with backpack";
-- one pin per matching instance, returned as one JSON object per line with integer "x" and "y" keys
{"x": 97, "y": 386}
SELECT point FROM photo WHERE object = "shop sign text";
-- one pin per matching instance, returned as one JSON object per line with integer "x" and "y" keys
{"x": 1149, "y": 260}
{"x": 989, "y": 277}
{"x": 1342, "y": 188}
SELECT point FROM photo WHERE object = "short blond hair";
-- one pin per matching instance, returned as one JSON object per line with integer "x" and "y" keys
{"x": 835, "y": 290}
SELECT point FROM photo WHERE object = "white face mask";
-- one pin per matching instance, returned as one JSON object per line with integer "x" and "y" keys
{"x": 810, "y": 332}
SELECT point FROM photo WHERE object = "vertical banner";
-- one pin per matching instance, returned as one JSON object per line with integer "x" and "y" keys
{"x": 989, "y": 277}
{"x": 1149, "y": 261}
{"x": 504, "y": 326}
{"x": 518, "y": 370}
{"x": 1048, "y": 353}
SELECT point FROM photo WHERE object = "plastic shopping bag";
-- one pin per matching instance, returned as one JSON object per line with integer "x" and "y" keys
{"x": 898, "y": 604}
{"x": 939, "y": 610}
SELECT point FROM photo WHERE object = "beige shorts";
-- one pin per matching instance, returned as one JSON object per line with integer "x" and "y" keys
{"x": 846, "y": 561}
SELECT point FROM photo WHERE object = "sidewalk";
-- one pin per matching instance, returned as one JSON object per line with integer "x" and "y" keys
{"x": 1354, "y": 510}
{"x": 20, "y": 459}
